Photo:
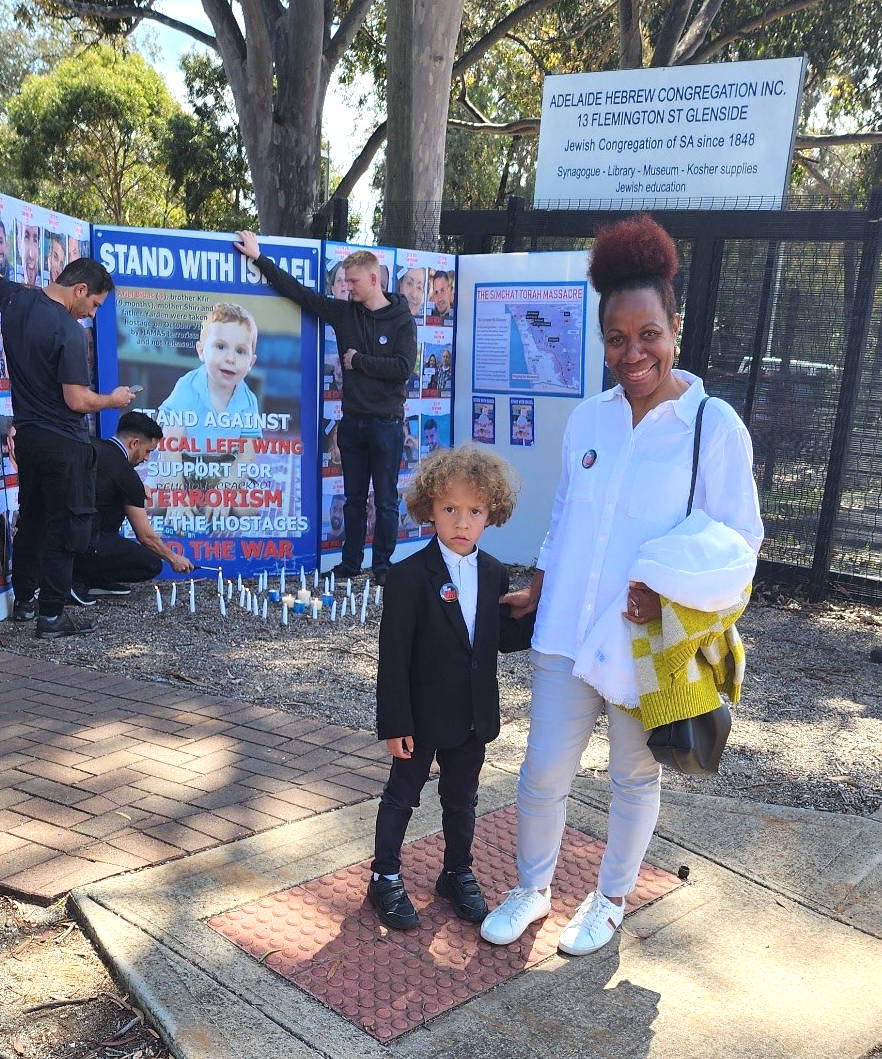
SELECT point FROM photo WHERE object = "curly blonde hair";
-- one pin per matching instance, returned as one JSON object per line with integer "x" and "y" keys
{"x": 489, "y": 475}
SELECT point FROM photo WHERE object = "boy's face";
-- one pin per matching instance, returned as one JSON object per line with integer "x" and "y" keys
{"x": 460, "y": 515}
{"x": 226, "y": 351}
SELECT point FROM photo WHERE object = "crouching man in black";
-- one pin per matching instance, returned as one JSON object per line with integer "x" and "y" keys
{"x": 114, "y": 561}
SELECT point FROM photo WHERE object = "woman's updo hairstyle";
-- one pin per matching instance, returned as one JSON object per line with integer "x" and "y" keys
{"x": 634, "y": 254}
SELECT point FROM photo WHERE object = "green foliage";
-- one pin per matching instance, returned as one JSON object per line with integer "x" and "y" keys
{"x": 28, "y": 49}
{"x": 88, "y": 138}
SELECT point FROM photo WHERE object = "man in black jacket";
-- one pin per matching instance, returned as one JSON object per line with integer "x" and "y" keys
{"x": 378, "y": 336}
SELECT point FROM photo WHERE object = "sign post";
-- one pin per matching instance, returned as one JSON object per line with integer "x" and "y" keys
{"x": 684, "y": 137}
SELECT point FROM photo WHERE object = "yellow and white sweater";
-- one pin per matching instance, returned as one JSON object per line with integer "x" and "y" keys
{"x": 699, "y": 569}
{"x": 685, "y": 660}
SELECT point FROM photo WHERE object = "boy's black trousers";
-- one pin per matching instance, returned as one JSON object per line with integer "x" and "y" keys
{"x": 458, "y": 792}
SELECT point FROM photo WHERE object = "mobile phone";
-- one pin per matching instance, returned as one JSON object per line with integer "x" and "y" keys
{"x": 136, "y": 389}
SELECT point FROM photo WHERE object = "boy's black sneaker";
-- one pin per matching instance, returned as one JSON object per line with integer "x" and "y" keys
{"x": 64, "y": 625}
{"x": 79, "y": 594}
{"x": 393, "y": 905}
{"x": 379, "y": 576}
{"x": 24, "y": 609}
{"x": 462, "y": 891}
{"x": 342, "y": 570}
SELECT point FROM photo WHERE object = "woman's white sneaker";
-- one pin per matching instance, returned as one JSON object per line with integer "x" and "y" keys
{"x": 593, "y": 926}
{"x": 523, "y": 906}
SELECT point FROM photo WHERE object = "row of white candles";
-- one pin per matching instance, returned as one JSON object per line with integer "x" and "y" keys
{"x": 250, "y": 601}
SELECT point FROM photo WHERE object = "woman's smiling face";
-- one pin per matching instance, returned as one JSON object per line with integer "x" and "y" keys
{"x": 640, "y": 345}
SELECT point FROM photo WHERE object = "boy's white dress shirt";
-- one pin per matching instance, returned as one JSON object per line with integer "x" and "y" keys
{"x": 463, "y": 570}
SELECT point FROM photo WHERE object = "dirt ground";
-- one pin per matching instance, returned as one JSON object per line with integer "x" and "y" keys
{"x": 807, "y": 733}
{"x": 56, "y": 998}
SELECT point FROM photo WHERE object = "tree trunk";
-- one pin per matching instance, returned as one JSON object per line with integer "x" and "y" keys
{"x": 280, "y": 116}
{"x": 630, "y": 35}
{"x": 421, "y": 38}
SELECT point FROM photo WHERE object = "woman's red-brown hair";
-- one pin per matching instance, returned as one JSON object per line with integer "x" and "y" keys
{"x": 634, "y": 254}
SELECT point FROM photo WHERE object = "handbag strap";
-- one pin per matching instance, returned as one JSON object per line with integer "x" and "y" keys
{"x": 695, "y": 447}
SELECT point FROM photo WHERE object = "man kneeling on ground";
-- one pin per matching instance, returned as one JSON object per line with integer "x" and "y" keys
{"x": 113, "y": 560}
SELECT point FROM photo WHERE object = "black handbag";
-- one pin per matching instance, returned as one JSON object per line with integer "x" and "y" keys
{"x": 695, "y": 745}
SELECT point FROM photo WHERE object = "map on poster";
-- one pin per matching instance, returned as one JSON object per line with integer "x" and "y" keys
{"x": 528, "y": 338}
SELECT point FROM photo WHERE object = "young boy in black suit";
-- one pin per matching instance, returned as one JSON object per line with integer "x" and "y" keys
{"x": 437, "y": 693}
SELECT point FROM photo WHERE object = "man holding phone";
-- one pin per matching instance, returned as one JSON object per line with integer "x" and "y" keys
{"x": 51, "y": 397}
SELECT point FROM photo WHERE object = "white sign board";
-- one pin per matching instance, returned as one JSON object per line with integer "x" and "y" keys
{"x": 709, "y": 136}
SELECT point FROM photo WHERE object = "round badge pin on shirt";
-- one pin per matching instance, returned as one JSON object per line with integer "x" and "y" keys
{"x": 448, "y": 592}
{"x": 588, "y": 459}
{"x": 382, "y": 340}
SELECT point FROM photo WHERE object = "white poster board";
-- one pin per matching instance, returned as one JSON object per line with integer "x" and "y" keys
{"x": 527, "y": 350}
{"x": 674, "y": 137}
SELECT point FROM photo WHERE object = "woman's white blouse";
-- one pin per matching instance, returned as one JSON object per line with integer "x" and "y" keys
{"x": 621, "y": 486}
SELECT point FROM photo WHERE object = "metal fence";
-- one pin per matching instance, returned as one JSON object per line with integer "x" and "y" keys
{"x": 782, "y": 317}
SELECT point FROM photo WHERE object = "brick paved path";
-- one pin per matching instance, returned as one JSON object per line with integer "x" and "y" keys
{"x": 100, "y": 774}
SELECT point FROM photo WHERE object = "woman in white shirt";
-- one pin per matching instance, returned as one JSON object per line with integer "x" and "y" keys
{"x": 625, "y": 479}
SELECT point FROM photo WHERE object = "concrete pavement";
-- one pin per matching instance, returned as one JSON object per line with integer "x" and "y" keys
{"x": 162, "y": 809}
{"x": 772, "y": 948}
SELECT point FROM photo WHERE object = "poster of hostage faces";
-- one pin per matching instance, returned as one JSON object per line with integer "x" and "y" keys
{"x": 36, "y": 243}
{"x": 229, "y": 369}
{"x": 426, "y": 280}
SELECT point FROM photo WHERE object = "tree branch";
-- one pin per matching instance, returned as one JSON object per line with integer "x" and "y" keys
{"x": 85, "y": 10}
{"x": 479, "y": 49}
{"x": 543, "y": 69}
{"x": 361, "y": 164}
{"x": 694, "y": 36}
{"x": 806, "y": 143}
{"x": 669, "y": 34}
{"x": 463, "y": 98}
{"x": 519, "y": 127}
{"x": 818, "y": 178}
{"x": 701, "y": 55}
{"x": 350, "y": 24}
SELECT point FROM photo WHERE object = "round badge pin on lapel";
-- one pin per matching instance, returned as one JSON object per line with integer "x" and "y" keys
{"x": 448, "y": 592}
{"x": 588, "y": 459}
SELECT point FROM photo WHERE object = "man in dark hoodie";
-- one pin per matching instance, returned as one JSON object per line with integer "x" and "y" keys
{"x": 377, "y": 338}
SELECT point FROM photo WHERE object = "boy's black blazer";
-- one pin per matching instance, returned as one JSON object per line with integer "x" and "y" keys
{"x": 432, "y": 683}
